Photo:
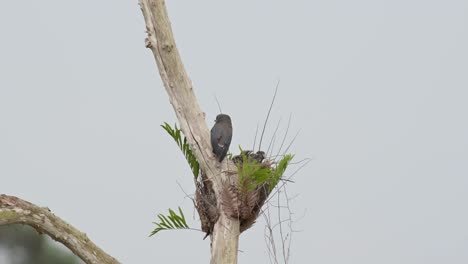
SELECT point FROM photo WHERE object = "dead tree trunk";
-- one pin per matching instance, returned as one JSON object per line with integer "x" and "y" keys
{"x": 225, "y": 235}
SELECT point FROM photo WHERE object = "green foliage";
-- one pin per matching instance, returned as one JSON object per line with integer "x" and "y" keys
{"x": 253, "y": 174}
{"x": 171, "y": 221}
{"x": 280, "y": 169}
{"x": 184, "y": 146}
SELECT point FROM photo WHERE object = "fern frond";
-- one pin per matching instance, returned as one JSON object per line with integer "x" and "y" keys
{"x": 279, "y": 171}
{"x": 181, "y": 141}
{"x": 171, "y": 221}
{"x": 251, "y": 172}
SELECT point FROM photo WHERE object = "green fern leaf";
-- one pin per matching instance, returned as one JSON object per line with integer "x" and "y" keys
{"x": 181, "y": 141}
{"x": 280, "y": 169}
{"x": 170, "y": 222}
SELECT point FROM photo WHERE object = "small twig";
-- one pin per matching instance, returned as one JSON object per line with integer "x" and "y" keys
{"x": 182, "y": 189}
{"x": 285, "y": 134}
{"x": 281, "y": 226}
{"x": 299, "y": 162}
{"x": 284, "y": 181}
{"x": 268, "y": 115}
{"x": 292, "y": 141}
{"x": 273, "y": 138}
{"x": 217, "y": 102}
{"x": 270, "y": 235}
{"x": 255, "y": 138}
{"x": 290, "y": 226}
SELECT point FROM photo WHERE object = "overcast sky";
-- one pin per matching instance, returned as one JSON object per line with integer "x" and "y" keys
{"x": 378, "y": 90}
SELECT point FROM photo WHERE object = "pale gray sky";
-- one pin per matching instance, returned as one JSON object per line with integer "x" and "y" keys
{"x": 379, "y": 90}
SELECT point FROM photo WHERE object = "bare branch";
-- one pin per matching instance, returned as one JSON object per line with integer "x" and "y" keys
{"x": 14, "y": 210}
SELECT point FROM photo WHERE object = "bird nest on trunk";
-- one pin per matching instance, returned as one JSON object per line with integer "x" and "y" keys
{"x": 243, "y": 199}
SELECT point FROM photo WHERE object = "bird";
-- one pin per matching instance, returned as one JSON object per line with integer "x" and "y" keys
{"x": 221, "y": 135}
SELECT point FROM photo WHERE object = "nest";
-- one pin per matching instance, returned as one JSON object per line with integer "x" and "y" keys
{"x": 237, "y": 201}
{"x": 205, "y": 202}
{"x": 241, "y": 202}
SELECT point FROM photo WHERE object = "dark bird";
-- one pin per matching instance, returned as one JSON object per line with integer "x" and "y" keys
{"x": 221, "y": 135}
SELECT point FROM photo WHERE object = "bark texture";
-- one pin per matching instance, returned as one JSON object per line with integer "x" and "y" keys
{"x": 160, "y": 40}
{"x": 13, "y": 210}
